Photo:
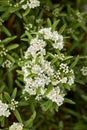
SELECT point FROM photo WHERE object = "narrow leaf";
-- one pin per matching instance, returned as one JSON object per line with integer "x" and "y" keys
{"x": 7, "y": 96}
{"x": 66, "y": 100}
{"x": 14, "y": 93}
{"x": 49, "y": 22}
{"x": 9, "y": 39}
{"x": 29, "y": 122}
{"x": 75, "y": 62}
{"x": 10, "y": 58}
{"x": 17, "y": 115}
{"x": 61, "y": 30}
{"x": 11, "y": 47}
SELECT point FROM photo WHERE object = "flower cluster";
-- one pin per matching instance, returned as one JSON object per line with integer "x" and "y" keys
{"x": 56, "y": 96}
{"x": 41, "y": 72}
{"x": 3, "y": 52}
{"x": 16, "y": 126}
{"x": 24, "y": 4}
{"x": 30, "y": 4}
{"x": 13, "y": 104}
{"x": 54, "y": 36}
{"x": 4, "y": 111}
{"x": 84, "y": 71}
{"x": 7, "y": 64}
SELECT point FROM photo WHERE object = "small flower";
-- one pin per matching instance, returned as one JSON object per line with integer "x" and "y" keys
{"x": 54, "y": 36}
{"x": 46, "y": 32}
{"x": 16, "y": 126}
{"x": 36, "y": 45}
{"x": 79, "y": 17}
{"x": 13, "y": 104}
{"x": 4, "y": 111}
{"x": 56, "y": 12}
{"x": 7, "y": 64}
{"x": 3, "y": 52}
{"x": 84, "y": 71}
{"x": 34, "y": 3}
{"x": 31, "y": 4}
{"x": 56, "y": 96}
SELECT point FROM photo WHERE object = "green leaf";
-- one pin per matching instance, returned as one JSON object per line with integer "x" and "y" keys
{"x": 46, "y": 105}
{"x": 7, "y": 96}
{"x": 14, "y": 93}
{"x": 26, "y": 12}
{"x": 75, "y": 62}
{"x": 68, "y": 57}
{"x": 5, "y": 15}
{"x": 80, "y": 126}
{"x": 67, "y": 87}
{"x": 84, "y": 27}
{"x": 79, "y": 81}
{"x": 55, "y": 25}
{"x": 49, "y": 22}
{"x": 56, "y": 59}
{"x": 19, "y": 84}
{"x": 22, "y": 103}
{"x": 29, "y": 122}
{"x": 10, "y": 58}
{"x": 66, "y": 100}
{"x": 17, "y": 115}
{"x": 6, "y": 31}
{"x": 11, "y": 47}
{"x": 20, "y": 72}
{"x": 50, "y": 87}
{"x": 61, "y": 30}
{"x": 2, "y": 88}
{"x": 10, "y": 81}
{"x": 84, "y": 97}
{"x": 13, "y": 9}
{"x": 1, "y": 60}
{"x": 75, "y": 37}
{"x": 4, "y": 2}
{"x": 28, "y": 35}
{"x": 2, "y": 122}
{"x": 8, "y": 39}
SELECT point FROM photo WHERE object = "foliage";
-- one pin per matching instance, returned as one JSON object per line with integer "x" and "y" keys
{"x": 61, "y": 29}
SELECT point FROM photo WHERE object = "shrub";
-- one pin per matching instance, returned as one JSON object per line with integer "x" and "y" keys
{"x": 43, "y": 65}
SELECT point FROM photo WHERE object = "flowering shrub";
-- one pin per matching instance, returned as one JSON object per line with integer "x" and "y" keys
{"x": 45, "y": 73}
{"x": 42, "y": 66}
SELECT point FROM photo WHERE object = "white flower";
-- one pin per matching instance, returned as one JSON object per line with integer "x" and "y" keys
{"x": 24, "y": 6}
{"x": 46, "y": 32}
{"x": 7, "y": 64}
{"x": 36, "y": 69}
{"x": 16, "y": 126}
{"x": 3, "y": 52}
{"x": 71, "y": 80}
{"x": 56, "y": 96}
{"x": 30, "y": 4}
{"x": 4, "y": 111}
{"x": 30, "y": 90}
{"x": 84, "y": 71}
{"x": 58, "y": 40}
{"x": 13, "y": 104}
{"x": 54, "y": 36}
{"x": 64, "y": 68}
{"x": 48, "y": 68}
{"x": 64, "y": 80}
{"x": 36, "y": 45}
{"x": 34, "y": 3}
